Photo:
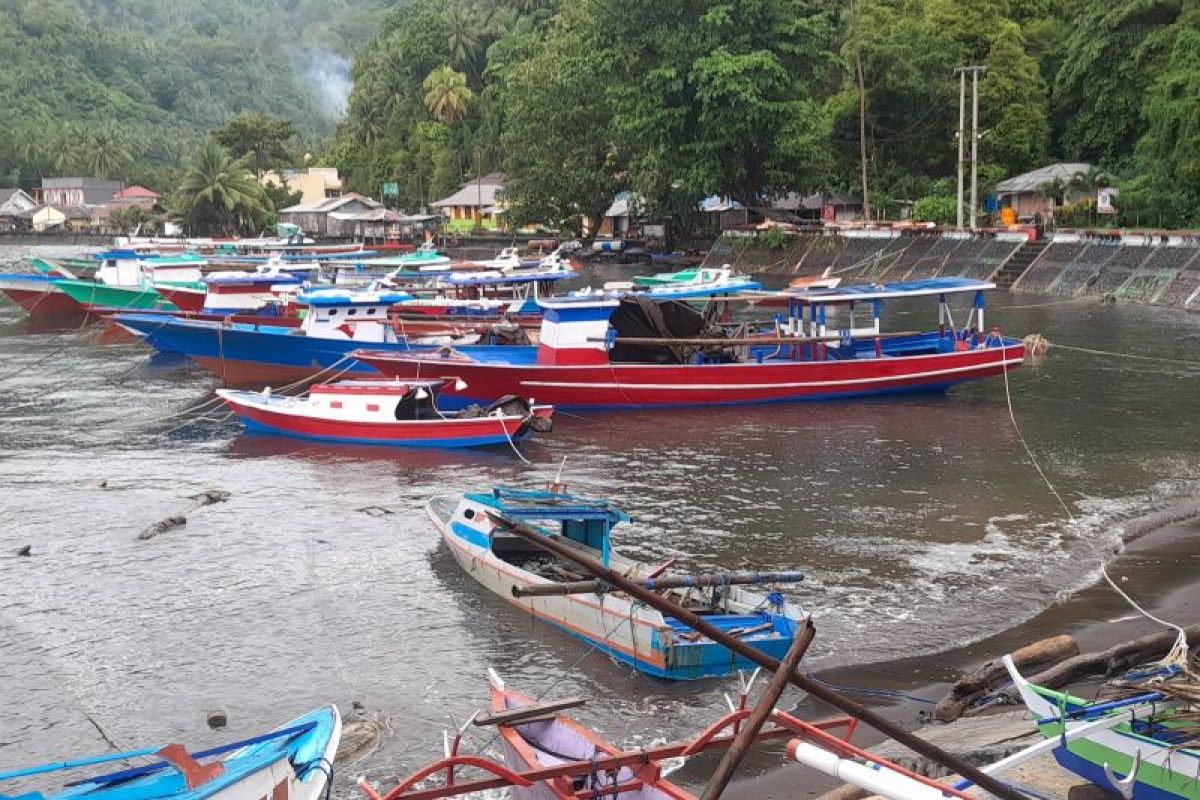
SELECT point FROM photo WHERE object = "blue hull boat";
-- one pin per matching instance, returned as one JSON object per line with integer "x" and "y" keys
{"x": 293, "y": 762}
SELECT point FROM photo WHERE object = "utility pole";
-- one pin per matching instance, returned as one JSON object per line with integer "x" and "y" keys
{"x": 862, "y": 115}
{"x": 962, "y": 135}
{"x": 962, "y": 101}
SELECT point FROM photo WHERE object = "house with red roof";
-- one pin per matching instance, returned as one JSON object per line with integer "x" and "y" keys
{"x": 136, "y": 196}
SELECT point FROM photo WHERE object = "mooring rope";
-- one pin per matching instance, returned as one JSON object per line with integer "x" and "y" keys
{"x": 1112, "y": 354}
{"x": 1180, "y": 653}
{"x": 1021, "y": 436}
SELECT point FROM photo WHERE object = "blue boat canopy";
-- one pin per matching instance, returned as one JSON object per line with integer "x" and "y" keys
{"x": 582, "y": 519}
{"x": 889, "y": 291}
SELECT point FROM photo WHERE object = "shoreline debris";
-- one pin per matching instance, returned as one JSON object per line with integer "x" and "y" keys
{"x": 162, "y": 526}
{"x": 971, "y": 687}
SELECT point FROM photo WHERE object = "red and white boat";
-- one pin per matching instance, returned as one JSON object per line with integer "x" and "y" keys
{"x": 633, "y": 352}
{"x": 808, "y": 283}
{"x": 386, "y": 413}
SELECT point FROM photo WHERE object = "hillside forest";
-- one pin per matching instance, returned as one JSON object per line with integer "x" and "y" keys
{"x": 676, "y": 100}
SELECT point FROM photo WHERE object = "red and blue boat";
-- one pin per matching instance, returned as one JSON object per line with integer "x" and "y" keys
{"x": 635, "y": 352}
{"x": 337, "y": 322}
{"x": 386, "y": 413}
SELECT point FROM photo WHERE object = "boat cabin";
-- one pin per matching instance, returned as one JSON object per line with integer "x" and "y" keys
{"x": 583, "y": 521}
{"x": 130, "y": 268}
{"x": 374, "y": 400}
{"x": 361, "y": 316}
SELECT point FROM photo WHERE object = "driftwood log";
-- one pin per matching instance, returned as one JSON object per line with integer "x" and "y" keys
{"x": 974, "y": 685}
{"x": 1114, "y": 659}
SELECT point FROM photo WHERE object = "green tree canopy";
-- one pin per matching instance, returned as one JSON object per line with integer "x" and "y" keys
{"x": 264, "y": 141}
{"x": 219, "y": 194}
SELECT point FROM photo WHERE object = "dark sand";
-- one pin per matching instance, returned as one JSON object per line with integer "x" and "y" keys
{"x": 1160, "y": 570}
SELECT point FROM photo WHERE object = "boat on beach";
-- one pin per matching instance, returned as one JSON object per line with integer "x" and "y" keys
{"x": 634, "y": 352}
{"x": 1144, "y": 747}
{"x": 386, "y": 413}
{"x": 292, "y": 762}
{"x": 473, "y": 527}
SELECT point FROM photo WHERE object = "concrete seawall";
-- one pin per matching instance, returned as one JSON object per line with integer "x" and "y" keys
{"x": 1151, "y": 268}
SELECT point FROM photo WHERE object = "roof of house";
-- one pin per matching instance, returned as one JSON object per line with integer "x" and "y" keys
{"x": 379, "y": 214}
{"x": 76, "y": 183}
{"x": 792, "y": 201}
{"x": 77, "y": 212}
{"x": 1034, "y": 181}
{"x": 136, "y": 193}
{"x": 479, "y": 192}
{"x": 332, "y": 204}
{"x": 33, "y": 212}
{"x": 622, "y": 203}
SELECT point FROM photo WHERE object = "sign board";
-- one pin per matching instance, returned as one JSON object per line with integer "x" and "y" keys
{"x": 391, "y": 189}
{"x": 1104, "y": 200}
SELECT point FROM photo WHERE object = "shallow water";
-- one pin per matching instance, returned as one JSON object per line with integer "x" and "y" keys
{"x": 920, "y": 522}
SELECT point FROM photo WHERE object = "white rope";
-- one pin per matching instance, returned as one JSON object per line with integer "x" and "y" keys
{"x": 504, "y": 427}
{"x": 1135, "y": 356}
{"x": 1179, "y": 654}
{"x": 1028, "y": 450}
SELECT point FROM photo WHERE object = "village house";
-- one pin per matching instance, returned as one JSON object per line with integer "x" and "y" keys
{"x": 65, "y": 192}
{"x": 351, "y": 216}
{"x": 1041, "y": 191}
{"x": 136, "y": 196}
{"x": 314, "y": 184}
{"x": 476, "y": 204}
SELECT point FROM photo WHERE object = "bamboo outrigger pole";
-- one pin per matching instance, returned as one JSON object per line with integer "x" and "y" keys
{"x": 658, "y": 584}
{"x": 765, "y": 340}
{"x": 817, "y": 690}
{"x": 732, "y": 757}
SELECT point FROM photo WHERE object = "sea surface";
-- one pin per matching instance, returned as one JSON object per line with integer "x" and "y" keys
{"x": 920, "y": 522}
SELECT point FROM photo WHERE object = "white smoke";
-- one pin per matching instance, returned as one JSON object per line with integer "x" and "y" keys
{"x": 328, "y": 77}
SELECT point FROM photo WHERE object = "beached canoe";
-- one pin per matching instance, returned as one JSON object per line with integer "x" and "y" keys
{"x": 293, "y": 762}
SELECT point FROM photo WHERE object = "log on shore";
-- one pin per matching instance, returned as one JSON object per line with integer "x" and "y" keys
{"x": 1115, "y": 659}
{"x": 974, "y": 685}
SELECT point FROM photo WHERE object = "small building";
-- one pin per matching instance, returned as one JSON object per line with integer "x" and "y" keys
{"x": 476, "y": 204}
{"x": 39, "y": 219}
{"x": 79, "y": 219}
{"x": 345, "y": 217}
{"x": 14, "y": 201}
{"x": 137, "y": 196}
{"x": 833, "y": 207}
{"x": 314, "y": 184}
{"x": 620, "y": 217}
{"x": 64, "y": 192}
{"x": 1042, "y": 190}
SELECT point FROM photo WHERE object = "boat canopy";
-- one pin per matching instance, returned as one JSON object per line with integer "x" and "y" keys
{"x": 584, "y": 520}
{"x": 891, "y": 291}
{"x": 492, "y": 278}
{"x": 321, "y": 298}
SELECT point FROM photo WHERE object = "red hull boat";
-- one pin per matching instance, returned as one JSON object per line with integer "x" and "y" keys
{"x": 596, "y": 354}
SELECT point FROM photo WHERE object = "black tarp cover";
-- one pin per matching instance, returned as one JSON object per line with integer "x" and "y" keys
{"x": 642, "y": 317}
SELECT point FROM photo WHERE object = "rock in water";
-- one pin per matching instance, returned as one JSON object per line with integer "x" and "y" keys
{"x": 217, "y": 718}
{"x": 211, "y": 496}
{"x": 27, "y": 550}
{"x": 162, "y": 526}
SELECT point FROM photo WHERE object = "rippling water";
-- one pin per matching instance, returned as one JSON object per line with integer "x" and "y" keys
{"x": 920, "y": 522}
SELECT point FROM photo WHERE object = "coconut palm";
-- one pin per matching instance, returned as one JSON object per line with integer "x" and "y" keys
{"x": 104, "y": 150}
{"x": 447, "y": 95}
{"x": 219, "y": 193}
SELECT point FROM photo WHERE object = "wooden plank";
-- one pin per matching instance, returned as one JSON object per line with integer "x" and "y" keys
{"x": 527, "y": 713}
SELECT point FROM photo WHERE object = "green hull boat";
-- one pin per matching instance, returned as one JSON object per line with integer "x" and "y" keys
{"x": 92, "y": 295}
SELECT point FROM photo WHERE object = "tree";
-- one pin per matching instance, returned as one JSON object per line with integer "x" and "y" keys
{"x": 447, "y": 95}
{"x": 132, "y": 219}
{"x": 219, "y": 193}
{"x": 1013, "y": 104}
{"x": 264, "y": 140}
{"x": 104, "y": 150}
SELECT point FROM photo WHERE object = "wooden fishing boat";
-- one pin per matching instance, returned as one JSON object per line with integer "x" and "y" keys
{"x": 386, "y": 413}
{"x": 293, "y": 762}
{"x": 1140, "y": 747}
{"x": 799, "y": 286}
{"x": 654, "y": 644}
{"x": 237, "y": 291}
{"x": 39, "y": 295}
{"x": 337, "y": 322}
{"x": 126, "y": 279}
{"x": 605, "y": 353}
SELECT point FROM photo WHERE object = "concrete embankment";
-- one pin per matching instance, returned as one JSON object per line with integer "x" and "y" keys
{"x": 1154, "y": 268}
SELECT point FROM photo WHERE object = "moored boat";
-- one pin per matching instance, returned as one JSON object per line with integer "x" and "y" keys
{"x": 386, "y": 413}
{"x": 337, "y": 322}
{"x": 39, "y": 295}
{"x": 653, "y": 643}
{"x": 126, "y": 279}
{"x": 293, "y": 762}
{"x": 636, "y": 353}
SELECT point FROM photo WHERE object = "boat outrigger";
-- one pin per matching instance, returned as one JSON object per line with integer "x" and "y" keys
{"x": 474, "y": 528}
{"x": 634, "y": 352}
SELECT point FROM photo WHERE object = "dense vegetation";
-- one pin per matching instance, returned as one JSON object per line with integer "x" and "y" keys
{"x": 129, "y": 88}
{"x": 679, "y": 99}
{"x": 579, "y": 99}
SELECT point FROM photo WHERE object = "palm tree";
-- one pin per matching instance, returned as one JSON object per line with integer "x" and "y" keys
{"x": 466, "y": 36}
{"x": 65, "y": 148}
{"x": 447, "y": 95}
{"x": 104, "y": 150}
{"x": 219, "y": 192}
